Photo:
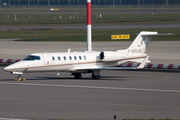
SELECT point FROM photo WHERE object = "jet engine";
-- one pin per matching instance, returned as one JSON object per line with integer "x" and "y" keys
{"x": 109, "y": 56}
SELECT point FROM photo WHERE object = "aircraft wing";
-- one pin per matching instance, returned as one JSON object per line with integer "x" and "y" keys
{"x": 119, "y": 68}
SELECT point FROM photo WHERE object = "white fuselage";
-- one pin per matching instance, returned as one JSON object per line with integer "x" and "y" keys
{"x": 62, "y": 62}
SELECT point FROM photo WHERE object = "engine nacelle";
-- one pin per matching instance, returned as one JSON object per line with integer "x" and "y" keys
{"x": 109, "y": 56}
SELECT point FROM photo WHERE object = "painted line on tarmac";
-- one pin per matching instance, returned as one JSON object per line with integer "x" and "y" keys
{"x": 94, "y": 103}
{"x": 92, "y": 87}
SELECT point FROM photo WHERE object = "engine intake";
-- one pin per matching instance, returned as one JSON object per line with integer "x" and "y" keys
{"x": 101, "y": 55}
{"x": 109, "y": 56}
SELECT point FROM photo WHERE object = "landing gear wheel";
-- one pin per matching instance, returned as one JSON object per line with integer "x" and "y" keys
{"x": 95, "y": 77}
{"x": 20, "y": 77}
{"x": 78, "y": 75}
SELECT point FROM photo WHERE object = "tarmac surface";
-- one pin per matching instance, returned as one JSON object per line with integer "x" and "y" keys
{"x": 126, "y": 94}
{"x": 164, "y": 52}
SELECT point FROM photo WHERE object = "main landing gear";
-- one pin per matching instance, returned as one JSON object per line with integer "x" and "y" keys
{"x": 77, "y": 75}
{"x": 95, "y": 75}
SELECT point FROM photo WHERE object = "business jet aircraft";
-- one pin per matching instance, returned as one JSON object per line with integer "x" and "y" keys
{"x": 85, "y": 61}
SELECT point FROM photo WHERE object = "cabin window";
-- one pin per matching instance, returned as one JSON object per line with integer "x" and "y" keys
{"x": 53, "y": 58}
{"x": 59, "y": 58}
{"x": 84, "y": 57}
{"x": 80, "y": 58}
{"x": 70, "y": 58}
{"x": 64, "y": 58}
{"x": 32, "y": 57}
{"x": 75, "y": 58}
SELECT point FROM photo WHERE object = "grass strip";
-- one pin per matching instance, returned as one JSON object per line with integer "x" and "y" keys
{"x": 80, "y": 35}
{"x": 80, "y": 18}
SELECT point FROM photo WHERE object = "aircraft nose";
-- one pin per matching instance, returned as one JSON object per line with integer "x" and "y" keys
{"x": 8, "y": 68}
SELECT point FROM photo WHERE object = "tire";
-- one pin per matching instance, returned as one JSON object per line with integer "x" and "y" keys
{"x": 95, "y": 77}
{"x": 20, "y": 77}
{"x": 78, "y": 75}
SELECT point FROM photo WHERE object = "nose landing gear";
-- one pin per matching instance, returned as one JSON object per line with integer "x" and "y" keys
{"x": 20, "y": 78}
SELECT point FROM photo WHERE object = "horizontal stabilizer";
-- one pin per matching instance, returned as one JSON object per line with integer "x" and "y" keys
{"x": 139, "y": 60}
{"x": 157, "y": 34}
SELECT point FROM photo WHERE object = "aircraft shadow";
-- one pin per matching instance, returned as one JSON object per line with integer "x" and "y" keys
{"x": 41, "y": 78}
{"x": 6, "y": 80}
{"x": 83, "y": 78}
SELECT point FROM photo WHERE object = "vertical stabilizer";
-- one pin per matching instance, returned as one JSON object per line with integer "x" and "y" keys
{"x": 141, "y": 42}
{"x": 89, "y": 41}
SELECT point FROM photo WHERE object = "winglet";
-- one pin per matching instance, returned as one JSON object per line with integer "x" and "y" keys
{"x": 143, "y": 63}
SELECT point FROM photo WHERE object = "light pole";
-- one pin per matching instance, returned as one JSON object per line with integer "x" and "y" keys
{"x": 89, "y": 36}
{"x": 69, "y": 2}
{"x": 167, "y": 1}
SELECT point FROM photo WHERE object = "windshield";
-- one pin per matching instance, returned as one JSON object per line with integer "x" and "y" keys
{"x": 32, "y": 57}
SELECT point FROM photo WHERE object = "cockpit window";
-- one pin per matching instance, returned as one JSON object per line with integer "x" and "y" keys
{"x": 32, "y": 57}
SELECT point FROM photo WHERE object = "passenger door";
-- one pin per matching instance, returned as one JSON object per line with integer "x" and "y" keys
{"x": 47, "y": 59}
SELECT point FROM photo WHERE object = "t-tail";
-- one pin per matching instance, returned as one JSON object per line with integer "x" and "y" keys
{"x": 140, "y": 43}
{"x": 136, "y": 51}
